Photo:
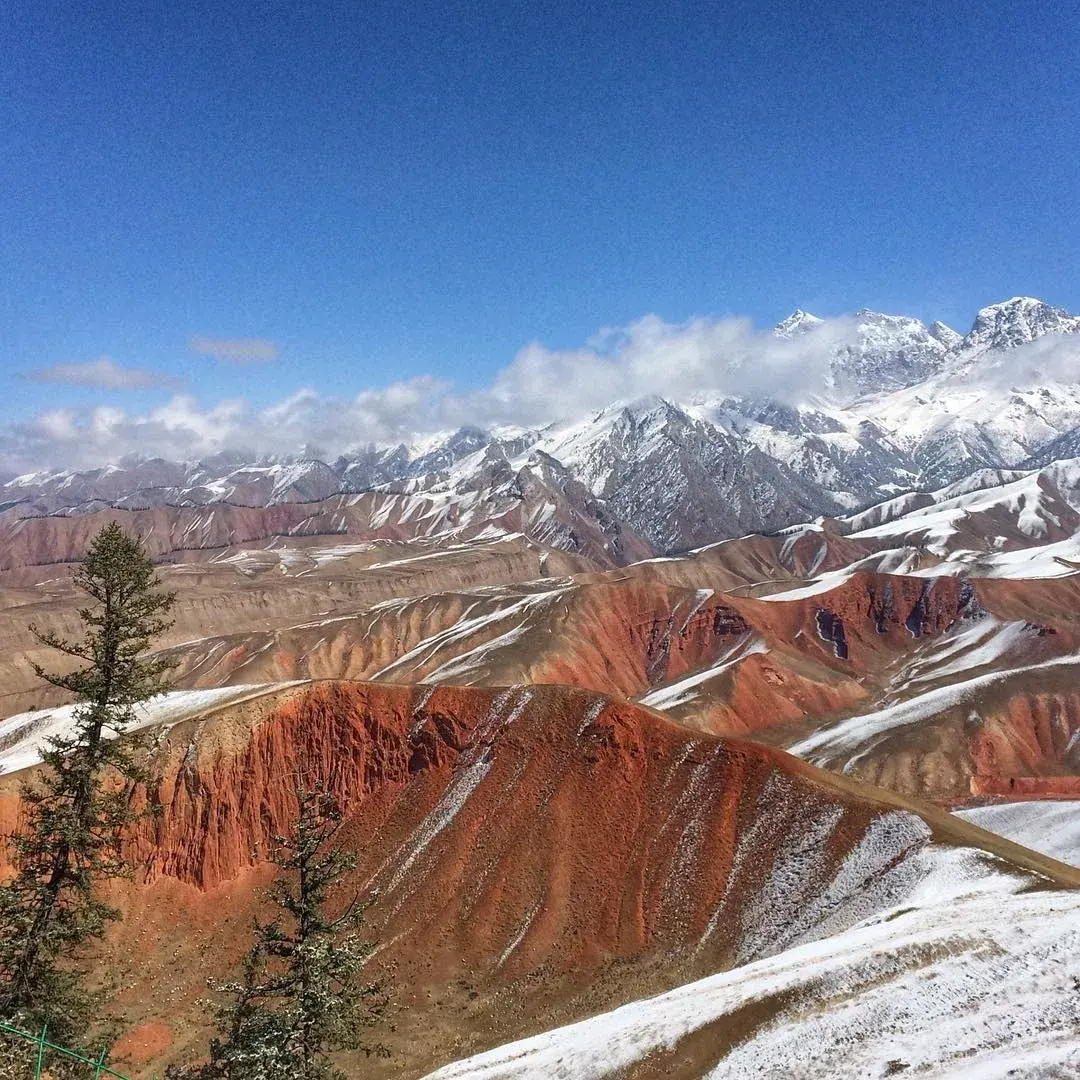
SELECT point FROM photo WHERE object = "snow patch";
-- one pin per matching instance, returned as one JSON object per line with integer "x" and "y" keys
{"x": 968, "y": 976}
{"x": 23, "y": 736}
{"x": 679, "y": 693}
{"x": 465, "y": 783}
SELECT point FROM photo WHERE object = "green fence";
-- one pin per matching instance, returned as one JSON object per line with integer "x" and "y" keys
{"x": 43, "y": 1044}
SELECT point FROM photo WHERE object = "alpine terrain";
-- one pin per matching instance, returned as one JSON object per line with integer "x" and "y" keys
{"x": 901, "y": 406}
{"x": 731, "y": 736}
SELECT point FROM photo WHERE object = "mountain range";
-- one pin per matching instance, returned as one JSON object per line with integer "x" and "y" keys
{"x": 903, "y": 406}
{"x": 667, "y": 739}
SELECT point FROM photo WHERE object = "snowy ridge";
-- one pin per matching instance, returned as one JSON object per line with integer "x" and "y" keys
{"x": 22, "y": 736}
{"x": 993, "y": 524}
{"x": 903, "y": 406}
{"x": 465, "y": 783}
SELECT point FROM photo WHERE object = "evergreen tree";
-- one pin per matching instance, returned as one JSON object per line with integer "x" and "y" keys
{"x": 302, "y": 995}
{"x": 75, "y": 812}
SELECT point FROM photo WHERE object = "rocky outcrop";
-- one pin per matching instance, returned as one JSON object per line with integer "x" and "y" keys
{"x": 1028, "y": 742}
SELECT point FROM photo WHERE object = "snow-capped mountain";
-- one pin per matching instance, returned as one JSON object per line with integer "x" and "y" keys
{"x": 890, "y": 352}
{"x": 1016, "y": 322}
{"x": 798, "y": 322}
{"x": 884, "y": 352}
{"x": 906, "y": 406}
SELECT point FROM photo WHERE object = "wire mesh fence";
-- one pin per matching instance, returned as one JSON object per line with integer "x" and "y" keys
{"x": 43, "y": 1048}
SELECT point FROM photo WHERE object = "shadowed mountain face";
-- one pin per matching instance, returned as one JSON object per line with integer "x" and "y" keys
{"x": 539, "y": 853}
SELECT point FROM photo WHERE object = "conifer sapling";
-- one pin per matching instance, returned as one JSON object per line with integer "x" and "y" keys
{"x": 302, "y": 995}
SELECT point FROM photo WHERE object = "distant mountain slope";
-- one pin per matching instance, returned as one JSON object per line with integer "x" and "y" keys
{"x": 928, "y": 643}
{"x": 904, "y": 405}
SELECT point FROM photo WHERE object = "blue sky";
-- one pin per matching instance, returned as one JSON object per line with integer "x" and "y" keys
{"x": 387, "y": 192}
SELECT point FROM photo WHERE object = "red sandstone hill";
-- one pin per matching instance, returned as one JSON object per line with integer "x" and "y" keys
{"x": 539, "y": 854}
{"x": 774, "y": 669}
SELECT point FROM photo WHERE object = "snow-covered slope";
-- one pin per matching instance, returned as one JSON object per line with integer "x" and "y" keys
{"x": 969, "y": 975}
{"x": 995, "y": 523}
{"x": 1007, "y": 510}
{"x": 1052, "y": 827}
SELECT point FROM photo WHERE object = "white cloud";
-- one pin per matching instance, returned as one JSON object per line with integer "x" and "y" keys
{"x": 651, "y": 356}
{"x": 58, "y": 424}
{"x": 1047, "y": 359}
{"x": 235, "y": 350}
{"x": 183, "y": 430}
{"x": 104, "y": 374}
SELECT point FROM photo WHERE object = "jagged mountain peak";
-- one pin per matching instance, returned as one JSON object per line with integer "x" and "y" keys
{"x": 650, "y": 405}
{"x": 1015, "y": 322}
{"x": 886, "y": 352}
{"x": 1016, "y": 303}
{"x": 647, "y": 408}
{"x": 883, "y": 327}
{"x": 798, "y": 322}
{"x": 641, "y": 404}
{"x": 468, "y": 436}
{"x": 944, "y": 333}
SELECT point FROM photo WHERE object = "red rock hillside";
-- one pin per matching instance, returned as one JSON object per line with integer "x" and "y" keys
{"x": 539, "y": 854}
